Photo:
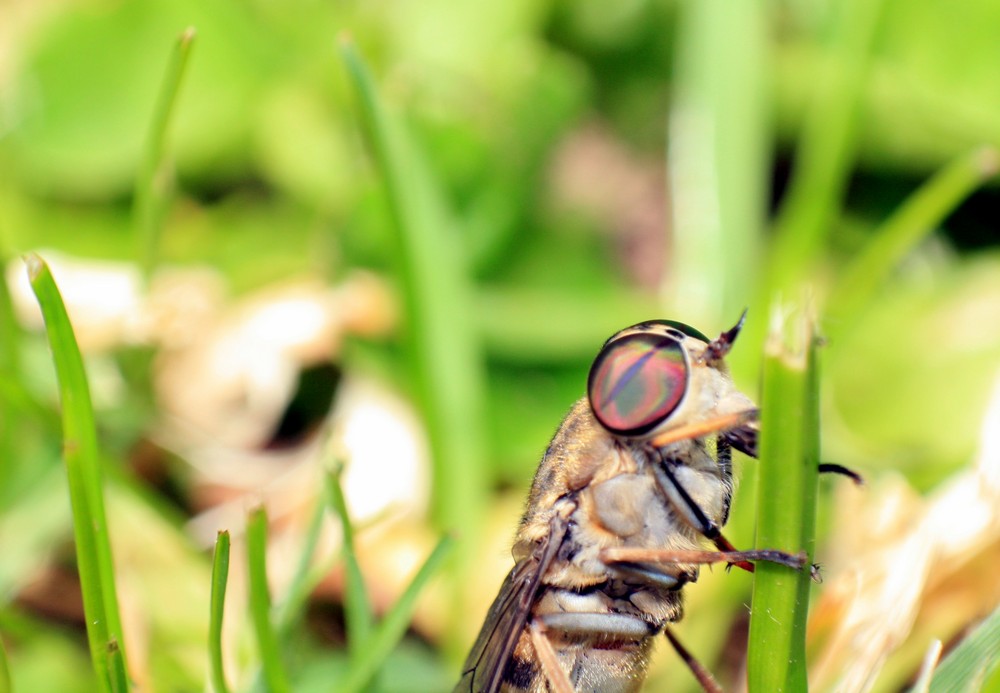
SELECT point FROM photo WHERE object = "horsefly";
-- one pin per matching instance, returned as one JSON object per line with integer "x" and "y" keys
{"x": 636, "y": 477}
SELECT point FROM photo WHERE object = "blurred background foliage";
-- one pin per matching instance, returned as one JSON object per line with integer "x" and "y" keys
{"x": 597, "y": 163}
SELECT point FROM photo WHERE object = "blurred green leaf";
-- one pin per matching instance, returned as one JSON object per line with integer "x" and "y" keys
{"x": 445, "y": 353}
{"x": 967, "y": 667}
{"x": 153, "y": 182}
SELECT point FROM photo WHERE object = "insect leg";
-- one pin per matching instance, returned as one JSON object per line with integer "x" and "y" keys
{"x": 834, "y": 468}
{"x": 703, "y": 675}
{"x": 627, "y": 554}
{"x": 580, "y": 623}
{"x": 692, "y": 512}
{"x": 548, "y": 660}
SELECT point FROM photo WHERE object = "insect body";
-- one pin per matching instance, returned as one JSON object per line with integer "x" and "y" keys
{"x": 636, "y": 478}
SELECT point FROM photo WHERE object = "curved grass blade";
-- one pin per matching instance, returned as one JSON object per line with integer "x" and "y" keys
{"x": 973, "y": 662}
{"x": 220, "y": 578}
{"x": 786, "y": 504}
{"x": 83, "y": 470}
{"x": 826, "y": 148}
{"x": 260, "y": 604}
{"x": 907, "y": 226}
{"x": 391, "y": 629}
{"x": 152, "y": 184}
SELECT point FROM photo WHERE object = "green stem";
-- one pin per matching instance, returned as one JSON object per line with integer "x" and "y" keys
{"x": 787, "y": 485}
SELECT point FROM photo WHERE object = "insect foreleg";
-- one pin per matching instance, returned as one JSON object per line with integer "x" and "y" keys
{"x": 682, "y": 501}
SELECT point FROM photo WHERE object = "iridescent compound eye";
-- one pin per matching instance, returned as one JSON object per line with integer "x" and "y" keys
{"x": 636, "y": 382}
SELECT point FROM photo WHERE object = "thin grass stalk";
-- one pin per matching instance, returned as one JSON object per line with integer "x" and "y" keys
{"x": 83, "y": 470}
{"x": 913, "y": 221}
{"x": 358, "y": 613}
{"x": 217, "y": 607}
{"x": 827, "y": 145}
{"x": 787, "y": 487}
{"x": 391, "y": 629}
{"x": 152, "y": 185}
{"x": 304, "y": 579}
{"x": 447, "y": 361}
{"x": 260, "y": 604}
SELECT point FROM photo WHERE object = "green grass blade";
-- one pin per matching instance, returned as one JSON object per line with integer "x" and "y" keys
{"x": 719, "y": 160}
{"x": 827, "y": 144}
{"x": 786, "y": 492}
{"x": 391, "y": 629}
{"x": 357, "y": 606}
{"x": 152, "y": 183}
{"x": 5, "y": 686}
{"x": 970, "y": 665}
{"x": 306, "y": 575}
{"x": 908, "y": 225}
{"x": 83, "y": 470}
{"x": 448, "y": 368}
{"x": 217, "y": 605}
{"x": 260, "y": 604}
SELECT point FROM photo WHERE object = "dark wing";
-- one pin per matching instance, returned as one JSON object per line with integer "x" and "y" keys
{"x": 483, "y": 669}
